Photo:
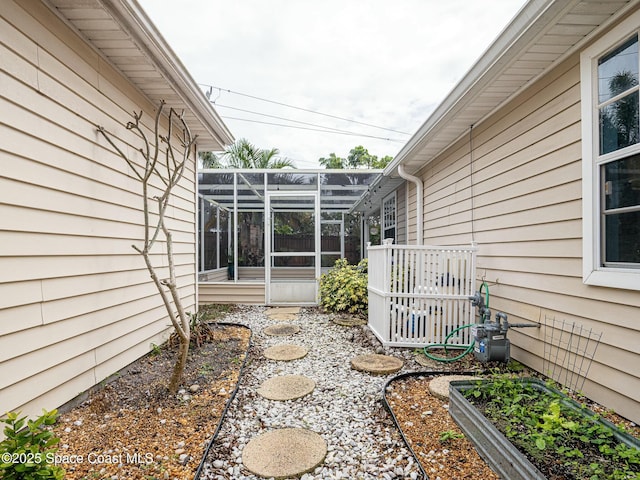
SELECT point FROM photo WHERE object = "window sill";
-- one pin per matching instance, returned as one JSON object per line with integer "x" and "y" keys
{"x": 613, "y": 278}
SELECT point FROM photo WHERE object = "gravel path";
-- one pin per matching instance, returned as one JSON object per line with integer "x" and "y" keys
{"x": 345, "y": 407}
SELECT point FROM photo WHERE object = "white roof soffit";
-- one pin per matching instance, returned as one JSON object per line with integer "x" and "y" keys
{"x": 124, "y": 35}
{"x": 542, "y": 34}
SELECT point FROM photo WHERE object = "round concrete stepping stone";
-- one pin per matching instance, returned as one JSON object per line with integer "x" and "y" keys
{"x": 285, "y": 352}
{"x": 349, "y": 321}
{"x": 278, "y": 310}
{"x": 281, "y": 330}
{"x": 284, "y": 453}
{"x": 286, "y": 387}
{"x": 439, "y": 386}
{"x": 377, "y": 364}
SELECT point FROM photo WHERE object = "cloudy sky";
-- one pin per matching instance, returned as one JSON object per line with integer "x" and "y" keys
{"x": 381, "y": 63}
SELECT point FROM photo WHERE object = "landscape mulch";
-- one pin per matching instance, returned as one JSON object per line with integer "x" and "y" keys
{"x": 132, "y": 428}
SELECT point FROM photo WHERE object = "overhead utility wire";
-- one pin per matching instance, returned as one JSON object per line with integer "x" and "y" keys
{"x": 353, "y": 134}
{"x": 328, "y": 129}
{"x": 211, "y": 87}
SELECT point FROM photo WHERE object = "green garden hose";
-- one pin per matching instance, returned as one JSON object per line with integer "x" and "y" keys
{"x": 467, "y": 348}
{"x": 445, "y": 345}
{"x": 486, "y": 295}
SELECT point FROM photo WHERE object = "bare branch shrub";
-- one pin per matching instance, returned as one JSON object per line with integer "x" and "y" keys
{"x": 163, "y": 169}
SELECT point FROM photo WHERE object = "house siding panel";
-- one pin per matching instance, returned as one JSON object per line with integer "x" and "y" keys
{"x": 240, "y": 293}
{"x": 401, "y": 215}
{"x": 525, "y": 212}
{"x": 411, "y": 212}
{"x": 76, "y": 302}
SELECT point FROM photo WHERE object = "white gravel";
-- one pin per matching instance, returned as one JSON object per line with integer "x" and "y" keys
{"x": 345, "y": 407}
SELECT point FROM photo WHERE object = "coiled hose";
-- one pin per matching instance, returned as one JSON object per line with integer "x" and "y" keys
{"x": 466, "y": 348}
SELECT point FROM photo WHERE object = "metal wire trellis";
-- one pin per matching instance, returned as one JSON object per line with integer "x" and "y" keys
{"x": 568, "y": 352}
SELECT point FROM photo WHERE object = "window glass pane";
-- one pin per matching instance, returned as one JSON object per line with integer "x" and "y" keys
{"x": 622, "y": 243}
{"x": 622, "y": 183}
{"x": 618, "y": 71}
{"x": 619, "y": 124}
{"x": 389, "y": 213}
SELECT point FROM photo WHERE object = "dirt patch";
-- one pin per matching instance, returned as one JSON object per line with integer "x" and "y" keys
{"x": 132, "y": 428}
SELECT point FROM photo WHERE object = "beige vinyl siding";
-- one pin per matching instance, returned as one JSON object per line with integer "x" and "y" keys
{"x": 251, "y": 273}
{"x": 219, "y": 275}
{"x": 401, "y": 215}
{"x": 247, "y": 293}
{"x": 410, "y": 214}
{"x": 527, "y": 220}
{"x": 76, "y": 302}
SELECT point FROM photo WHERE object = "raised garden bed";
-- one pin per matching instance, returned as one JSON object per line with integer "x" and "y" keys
{"x": 526, "y": 429}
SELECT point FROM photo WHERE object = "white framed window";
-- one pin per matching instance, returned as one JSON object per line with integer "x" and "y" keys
{"x": 610, "y": 95}
{"x": 389, "y": 216}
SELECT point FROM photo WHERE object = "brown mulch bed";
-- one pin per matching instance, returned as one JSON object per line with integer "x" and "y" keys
{"x": 132, "y": 428}
{"x": 435, "y": 438}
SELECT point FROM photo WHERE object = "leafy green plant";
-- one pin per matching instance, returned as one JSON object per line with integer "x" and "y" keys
{"x": 515, "y": 366}
{"x": 548, "y": 431}
{"x": 344, "y": 288}
{"x": 206, "y": 369}
{"x": 155, "y": 349}
{"x": 449, "y": 435}
{"x": 28, "y": 451}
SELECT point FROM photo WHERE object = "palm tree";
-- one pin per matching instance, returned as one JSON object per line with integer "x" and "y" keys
{"x": 333, "y": 161}
{"x": 209, "y": 160}
{"x": 243, "y": 154}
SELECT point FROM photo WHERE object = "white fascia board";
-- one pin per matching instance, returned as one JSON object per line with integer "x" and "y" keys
{"x": 130, "y": 14}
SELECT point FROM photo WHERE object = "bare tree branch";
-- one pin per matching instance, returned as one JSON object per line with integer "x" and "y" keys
{"x": 175, "y": 167}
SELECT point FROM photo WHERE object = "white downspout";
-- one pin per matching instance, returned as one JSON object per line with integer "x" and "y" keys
{"x": 419, "y": 201}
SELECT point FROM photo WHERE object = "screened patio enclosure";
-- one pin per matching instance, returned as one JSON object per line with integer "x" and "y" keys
{"x": 265, "y": 236}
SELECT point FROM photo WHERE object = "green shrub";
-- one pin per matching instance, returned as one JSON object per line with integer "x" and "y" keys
{"x": 29, "y": 453}
{"x": 344, "y": 288}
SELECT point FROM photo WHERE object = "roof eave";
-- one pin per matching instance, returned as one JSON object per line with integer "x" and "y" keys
{"x": 131, "y": 16}
{"x": 178, "y": 89}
